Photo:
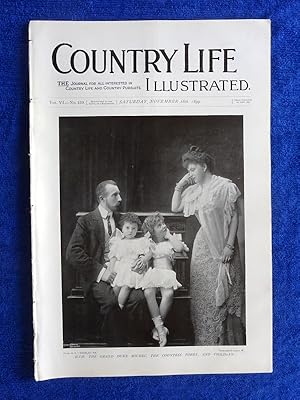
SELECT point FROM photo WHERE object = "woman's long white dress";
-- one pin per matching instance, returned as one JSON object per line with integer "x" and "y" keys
{"x": 216, "y": 288}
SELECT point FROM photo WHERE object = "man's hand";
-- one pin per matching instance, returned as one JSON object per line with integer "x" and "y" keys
{"x": 108, "y": 276}
{"x": 140, "y": 267}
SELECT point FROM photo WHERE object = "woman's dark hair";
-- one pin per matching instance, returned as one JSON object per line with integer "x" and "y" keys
{"x": 130, "y": 217}
{"x": 198, "y": 156}
{"x": 151, "y": 221}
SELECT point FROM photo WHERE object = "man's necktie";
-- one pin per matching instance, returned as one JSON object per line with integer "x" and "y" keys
{"x": 109, "y": 230}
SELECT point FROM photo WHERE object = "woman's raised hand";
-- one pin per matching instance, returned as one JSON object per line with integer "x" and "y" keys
{"x": 179, "y": 187}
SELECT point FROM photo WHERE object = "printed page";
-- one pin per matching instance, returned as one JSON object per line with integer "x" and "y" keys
{"x": 150, "y": 197}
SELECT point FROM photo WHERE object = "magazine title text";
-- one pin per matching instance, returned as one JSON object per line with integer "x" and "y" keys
{"x": 67, "y": 59}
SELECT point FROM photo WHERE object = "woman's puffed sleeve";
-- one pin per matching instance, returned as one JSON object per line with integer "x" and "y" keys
{"x": 232, "y": 194}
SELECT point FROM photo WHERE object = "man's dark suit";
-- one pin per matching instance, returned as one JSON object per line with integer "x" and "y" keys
{"x": 86, "y": 253}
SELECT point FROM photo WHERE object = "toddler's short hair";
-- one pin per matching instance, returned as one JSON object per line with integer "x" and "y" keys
{"x": 131, "y": 218}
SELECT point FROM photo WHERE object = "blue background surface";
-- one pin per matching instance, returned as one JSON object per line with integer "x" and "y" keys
{"x": 16, "y": 369}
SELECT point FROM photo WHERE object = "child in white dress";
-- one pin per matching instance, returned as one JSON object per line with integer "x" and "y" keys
{"x": 125, "y": 251}
{"x": 161, "y": 276}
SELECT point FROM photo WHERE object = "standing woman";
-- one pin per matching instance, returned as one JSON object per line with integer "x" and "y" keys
{"x": 216, "y": 286}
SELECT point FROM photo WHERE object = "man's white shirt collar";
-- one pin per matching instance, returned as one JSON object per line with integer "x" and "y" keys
{"x": 104, "y": 213}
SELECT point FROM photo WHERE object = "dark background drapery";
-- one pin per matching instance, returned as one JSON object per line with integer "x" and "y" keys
{"x": 143, "y": 155}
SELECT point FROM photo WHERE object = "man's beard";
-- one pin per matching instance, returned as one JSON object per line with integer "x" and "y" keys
{"x": 117, "y": 207}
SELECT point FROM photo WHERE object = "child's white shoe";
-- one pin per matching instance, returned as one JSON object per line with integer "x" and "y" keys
{"x": 162, "y": 338}
{"x": 155, "y": 334}
{"x": 161, "y": 330}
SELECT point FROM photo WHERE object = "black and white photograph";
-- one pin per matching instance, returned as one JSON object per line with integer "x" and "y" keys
{"x": 152, "y": 231}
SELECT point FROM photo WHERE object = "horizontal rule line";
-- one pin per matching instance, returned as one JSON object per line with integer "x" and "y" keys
{"x": 152, "y": 97}
{"x": 151, "y": 105}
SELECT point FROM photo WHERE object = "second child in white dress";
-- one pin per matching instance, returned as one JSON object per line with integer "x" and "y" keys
{"x": 161, "y": 276}
{"x": 126, "y": 252}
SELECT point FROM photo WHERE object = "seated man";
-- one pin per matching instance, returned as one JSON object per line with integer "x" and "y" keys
{"x": 86, "y": 251}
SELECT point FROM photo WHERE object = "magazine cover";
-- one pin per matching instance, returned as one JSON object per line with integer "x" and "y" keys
{"x": 150, "y": 197}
